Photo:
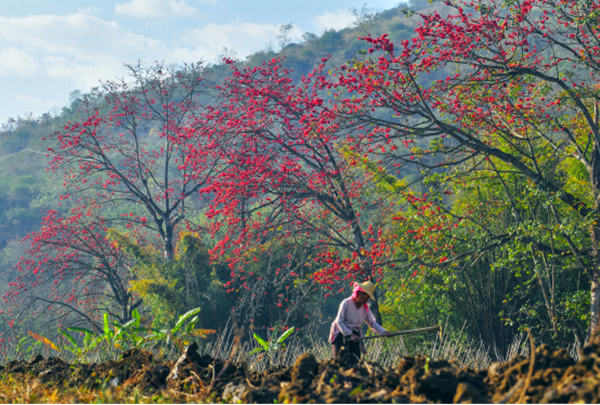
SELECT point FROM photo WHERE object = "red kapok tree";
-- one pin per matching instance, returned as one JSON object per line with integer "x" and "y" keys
{"x": 293, "y": 176}
{"x": 127, "y": 151}
{"x": 73, "y": 273}
{"x": 515, "y": 83}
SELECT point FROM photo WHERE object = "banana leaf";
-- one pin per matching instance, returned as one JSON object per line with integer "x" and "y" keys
{"x": 260, "y": 340}
{"x": 136, "y": 315}
{"x": 107, "y": 332}
{"x": 286, "y": 334}
{"x": 68, "y": 337}
{"x": 190, "y": 326}
{"x": 256, "y": 350}
{"x": 82, "y": 330}
{"x": 123, "y": 329}
{"x": 183, "y": 318}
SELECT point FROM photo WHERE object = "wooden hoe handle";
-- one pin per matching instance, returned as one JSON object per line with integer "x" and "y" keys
{"x": 437, "y": 328}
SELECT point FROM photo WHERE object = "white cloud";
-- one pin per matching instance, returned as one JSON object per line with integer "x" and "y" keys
{"x": 155, "y": 8}
{"x": 78, "y": 47}
{"x": 47, "y": 56}
{"x": 337, "y": 20}
{"x": 16, "y": 62}
{"x": 244, "y": 38}
{"x": 28, "y": 100}
{"x": 83, "y": 49}
{"x": 140, "y": 8}
{"x": 181, "y": 8}
{"x": 89, "y": 10}
{"x": 83, "y": 75}
{"x": 66, "y": 34}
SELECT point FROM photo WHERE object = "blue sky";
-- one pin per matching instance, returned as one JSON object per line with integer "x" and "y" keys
{"x": 50, "y": 48}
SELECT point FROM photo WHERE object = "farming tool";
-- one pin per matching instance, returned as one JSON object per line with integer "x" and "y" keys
{"x": 437, "y": 328}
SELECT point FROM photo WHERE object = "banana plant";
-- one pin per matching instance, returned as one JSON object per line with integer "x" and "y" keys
{"x": 273, "y": 345}
{"x": 131, "y": 334}
{"x": 184, "y": 329}
{"x": 90, "y": 341}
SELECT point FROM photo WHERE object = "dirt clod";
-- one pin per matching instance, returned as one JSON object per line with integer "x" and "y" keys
{"x": 304, "y": 370}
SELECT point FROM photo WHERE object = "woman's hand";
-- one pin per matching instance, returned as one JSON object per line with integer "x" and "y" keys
{"x": 387, "y": 333}
{"x": 354, "y": 338}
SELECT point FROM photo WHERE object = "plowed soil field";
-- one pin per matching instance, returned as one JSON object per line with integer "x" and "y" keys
{"x": 546, "y": 376}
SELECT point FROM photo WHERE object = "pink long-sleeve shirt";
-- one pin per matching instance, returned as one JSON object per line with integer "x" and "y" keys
{"x": 349, "y": 317}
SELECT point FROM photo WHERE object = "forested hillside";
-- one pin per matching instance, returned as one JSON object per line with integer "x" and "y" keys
{"x": 447, "y": 156}
{"x": 31, "y": 188}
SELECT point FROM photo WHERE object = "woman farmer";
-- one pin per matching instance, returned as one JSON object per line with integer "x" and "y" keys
{"x": 346, "y": 331}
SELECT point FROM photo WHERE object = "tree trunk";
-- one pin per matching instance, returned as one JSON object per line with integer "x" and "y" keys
{"x": 595, "y": 306}
{"x": 374, "y": 306}
{"x": 359, "y": 244}
{"x": 168, "y": 240}
{"x": 576, "y": 333}
{"x": 594, "y": 272}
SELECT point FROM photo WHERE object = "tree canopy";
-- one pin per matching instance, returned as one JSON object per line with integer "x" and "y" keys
{"x": 454, "y": 161}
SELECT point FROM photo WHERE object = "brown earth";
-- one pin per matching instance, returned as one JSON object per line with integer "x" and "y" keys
{"x": 551, "y": 376}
